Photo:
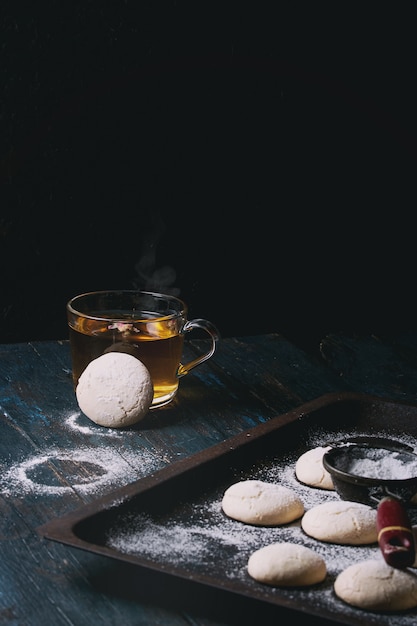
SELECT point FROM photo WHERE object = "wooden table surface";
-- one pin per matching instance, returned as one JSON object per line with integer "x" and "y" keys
{"x": 53, "y": 460}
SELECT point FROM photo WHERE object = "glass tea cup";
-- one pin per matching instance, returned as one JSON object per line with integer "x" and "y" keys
{"x": 149, "y": 325}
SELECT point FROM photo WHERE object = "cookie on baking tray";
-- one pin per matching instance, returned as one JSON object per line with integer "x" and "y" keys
{"x": 342, "y": 522}
{"x": 374, "y": 585}
{"x": 309, "y": 469}
{"x": 287, "y": 565}
{"x": 261, "y": 503}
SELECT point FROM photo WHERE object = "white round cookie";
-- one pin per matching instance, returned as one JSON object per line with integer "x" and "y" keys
{"x": 309, "y": 469}
{"x": 287, "y": 565}
{"x": 261, "y": 503}
{"x": 115, "y": 390}
{"x": 374, "y": 585}
{"x": 342, "y": 522}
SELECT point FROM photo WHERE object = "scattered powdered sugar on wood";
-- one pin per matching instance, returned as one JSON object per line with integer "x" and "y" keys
{"x": 74, "y": 421}
{"x": 86, "y": 470}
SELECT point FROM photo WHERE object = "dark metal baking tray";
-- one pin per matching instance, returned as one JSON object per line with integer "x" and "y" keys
{"x": 171, "y": 521}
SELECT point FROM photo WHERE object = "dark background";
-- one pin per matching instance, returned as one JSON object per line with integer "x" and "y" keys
{"x": 257, "y": 160}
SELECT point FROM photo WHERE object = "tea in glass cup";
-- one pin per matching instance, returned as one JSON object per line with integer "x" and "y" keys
{"x": 148, "y": 325}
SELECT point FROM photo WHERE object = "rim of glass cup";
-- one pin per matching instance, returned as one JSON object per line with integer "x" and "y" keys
{"x": 156, "y": 294}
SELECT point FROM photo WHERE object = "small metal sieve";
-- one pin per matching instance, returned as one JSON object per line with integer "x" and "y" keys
{"x": 344, "y": 462}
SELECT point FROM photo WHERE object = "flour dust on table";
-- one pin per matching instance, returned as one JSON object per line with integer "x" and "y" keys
{"x": 87, "y": 469}
{"x": 76, "y": 421}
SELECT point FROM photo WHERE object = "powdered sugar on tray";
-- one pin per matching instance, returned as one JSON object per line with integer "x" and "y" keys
{"x": 194, "y": 544}
{"x": 196, "y": 537}
{"x": 207, "y": 529}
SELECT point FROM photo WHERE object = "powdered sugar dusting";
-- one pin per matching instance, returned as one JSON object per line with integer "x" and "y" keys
{"x": 196, "y": 537}
{"x": 377, "y": 463}
{"x": 88, "y": 470}
{"x": 73, "y": 421}
{"x": 194, "y": 544}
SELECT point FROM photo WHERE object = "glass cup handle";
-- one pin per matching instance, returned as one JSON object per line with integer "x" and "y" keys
{"x": 209, "y": 328}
